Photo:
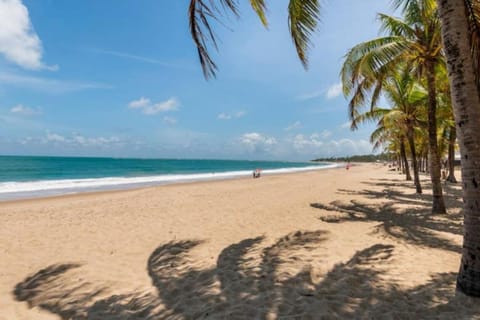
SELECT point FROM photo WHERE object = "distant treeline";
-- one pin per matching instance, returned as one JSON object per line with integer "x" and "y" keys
{"x": 358, "y": 158}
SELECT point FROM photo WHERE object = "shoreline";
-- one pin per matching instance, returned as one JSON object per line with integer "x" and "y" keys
{"x": 60, "y": 193}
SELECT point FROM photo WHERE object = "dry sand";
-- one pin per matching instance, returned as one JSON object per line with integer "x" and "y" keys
{"x": 325, "y": 244}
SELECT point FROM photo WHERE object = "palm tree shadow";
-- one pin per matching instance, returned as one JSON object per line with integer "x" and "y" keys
{"x": 186, "y": 289}
{"x": 412, "y": 225}
{"x": 402, "y": 215}
{"x": 452, "y": 192}
{"x": 250, "y": 280}
{"x": 246, "y": 281}
{"x": 358, "y": 288}
{"x": 55, "y": 289}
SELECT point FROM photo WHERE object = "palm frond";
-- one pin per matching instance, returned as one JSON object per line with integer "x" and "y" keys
{"x": 303, "y": 18}
{"x": 260, "y": 7}
{"x": 199, "y": 14}
{"x": 395, "y": 26}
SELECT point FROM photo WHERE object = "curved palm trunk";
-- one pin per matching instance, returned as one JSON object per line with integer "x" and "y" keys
{"x": 466, "y": 107}
{"x": 404, "y": 159}
{"x": 438, "y": 205}
{"x": 411, "y": 142}
{"x": 451, "y": 155}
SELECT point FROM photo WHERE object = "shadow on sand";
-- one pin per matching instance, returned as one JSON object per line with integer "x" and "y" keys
{"x": 251, "y": 280}
{"x": 401, "y": 215}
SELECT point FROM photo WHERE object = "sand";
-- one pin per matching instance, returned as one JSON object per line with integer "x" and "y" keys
{"x": 323, "y": 244}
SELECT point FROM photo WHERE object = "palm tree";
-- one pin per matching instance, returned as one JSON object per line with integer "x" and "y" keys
{"x": 303, "y": 17}
{"x": 392, "y": 138}
{"x": 446, "y": 120}
{"x": 407, "y": 97}
{"x": 461, "y": 38}
{"x": 414, "y": 41}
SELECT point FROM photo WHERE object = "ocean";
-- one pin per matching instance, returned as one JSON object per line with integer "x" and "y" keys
{"x": 30, "y": 177}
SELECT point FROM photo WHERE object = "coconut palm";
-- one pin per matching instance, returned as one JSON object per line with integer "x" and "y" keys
{"x": 407, "y": 97}
{"x": 392, "y": 138}
{"x": 446, "y": 120}
{"x": 461, "y": 38}
{"x": 414, "y": 40}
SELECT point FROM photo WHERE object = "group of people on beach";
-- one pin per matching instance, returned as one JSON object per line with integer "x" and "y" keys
{"x": 256, "y": 173}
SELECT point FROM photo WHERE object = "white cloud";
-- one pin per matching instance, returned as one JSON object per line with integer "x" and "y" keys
{"x": 298, "y": 146}
{"x": 325, "y": 134}
{"x": 256, "y": 142}
{"x": 83, "y": 141}
{"x": 53, "y": 137}
{"x": 309, "y": 144}
{"x": 229, "y": 116}
{"x": 346, "y": 125}
{"x": 348, "y": 147}
{"x": 169, "y": 120}
{"x": 318, "y": 145}
{"x": 334, "y": 90}
{"x": 18, "y": 41}
{"x": 224, "y": 116}
{"x": 293, "y": 126}
{"x": 331, "y": 92}
{"x": 74, "y": 140}
{"x": 150, "y": 108}
{"x": 25, "y": 111}
{"x": 140, "y": 103}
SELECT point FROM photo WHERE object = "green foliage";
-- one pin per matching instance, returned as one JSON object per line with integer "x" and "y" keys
{"x": 303, "y": 18}
{"x": 358, "y": 158}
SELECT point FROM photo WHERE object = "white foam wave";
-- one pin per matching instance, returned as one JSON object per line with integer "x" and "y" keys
{"x": 11, "y": 190}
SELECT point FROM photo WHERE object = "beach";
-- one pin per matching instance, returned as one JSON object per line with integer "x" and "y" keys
{"x": 330, "y": 243}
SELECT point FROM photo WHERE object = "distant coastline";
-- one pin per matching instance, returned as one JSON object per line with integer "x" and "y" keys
{"x": 356, "y": 158}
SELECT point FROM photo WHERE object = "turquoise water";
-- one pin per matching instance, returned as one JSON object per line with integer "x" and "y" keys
{"x": 22, "y": 176}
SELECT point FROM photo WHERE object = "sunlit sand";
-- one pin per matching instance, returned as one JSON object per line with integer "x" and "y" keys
{"x": 324, "y": 244}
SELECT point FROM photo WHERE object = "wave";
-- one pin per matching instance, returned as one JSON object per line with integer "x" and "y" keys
{"x": 28, "y": 189}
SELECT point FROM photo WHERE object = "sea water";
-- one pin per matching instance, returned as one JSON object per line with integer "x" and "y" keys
{"x": 29, "y": 177}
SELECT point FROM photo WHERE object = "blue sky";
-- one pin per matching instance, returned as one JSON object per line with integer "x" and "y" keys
{"x": 122, "y": 79}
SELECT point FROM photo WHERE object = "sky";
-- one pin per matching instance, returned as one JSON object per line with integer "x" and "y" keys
{"x": 122, "y": 79}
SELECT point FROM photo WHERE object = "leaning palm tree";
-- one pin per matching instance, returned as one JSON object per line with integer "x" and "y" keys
{"x": 415, "y": 41}
{"x": 461, "y": 36}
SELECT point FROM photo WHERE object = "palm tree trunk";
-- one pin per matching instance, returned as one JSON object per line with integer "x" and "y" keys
{"x": 427, "y": 164}
{"x": 466, "y": 107}
{"x": 451, "y": 155}
{"x": 411, "y": 142}
{"x": 404, "y": 158}
{"x": 438, "y": 205}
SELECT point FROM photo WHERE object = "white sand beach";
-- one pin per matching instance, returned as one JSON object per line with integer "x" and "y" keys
{"x": 321, "y": 244}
